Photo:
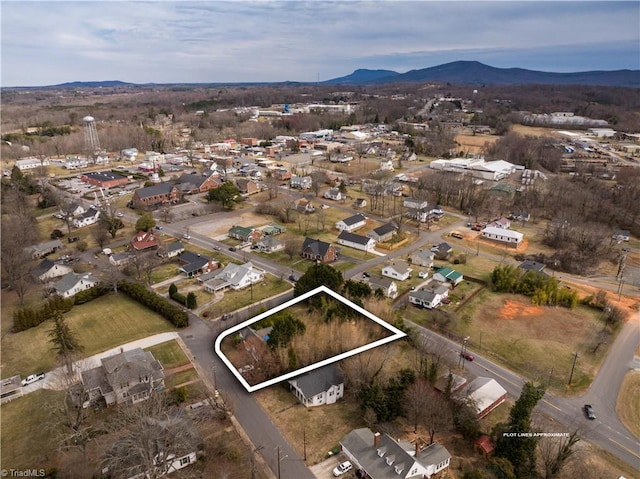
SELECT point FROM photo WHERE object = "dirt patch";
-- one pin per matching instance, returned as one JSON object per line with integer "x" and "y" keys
{"x": 474, "y": 144}
{"x": 516, "y": 309}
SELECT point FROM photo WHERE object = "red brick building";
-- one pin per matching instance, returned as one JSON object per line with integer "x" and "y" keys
{"x": 104, "y": 179}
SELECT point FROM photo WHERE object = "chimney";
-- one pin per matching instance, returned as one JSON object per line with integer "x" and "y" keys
{"x": 417, "y": 447}
{"x": 376, "y": 439}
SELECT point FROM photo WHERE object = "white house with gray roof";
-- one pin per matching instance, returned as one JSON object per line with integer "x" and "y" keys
{"x": 352, "y": 223}
{"x": 423, "y": 258}
{"x": 356, "y": 241}
{"x": 321, "y": 386}
{"x": 48, "y": 270}
{"x": 429, "y": 298}
{"x": 382, "y": 457}
{"x": 397, "y": 269}
{"x": 388, "y": 287}
{"x": 234, "y": 276}
{"x": 72, "y": 283}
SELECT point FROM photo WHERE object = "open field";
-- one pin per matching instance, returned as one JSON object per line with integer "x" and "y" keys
{"x": 101, "y": 324}
{"x": 28, "y": 441}
{"x": 473, "y": 144}
{"x": 628, "y": 403}
{"x": 535, "y": 341}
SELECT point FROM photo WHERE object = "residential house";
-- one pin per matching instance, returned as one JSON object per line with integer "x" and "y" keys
{"x": 484, "y": 394}
{"x": 104, "y": 179}
{"x": 269, "y": 244}
{"x": 174, "y": 249}
{"x": 171, "y": 439}
{"x": 529, "y": 265}
{"x": 301, "y": 182}
{"x": 360, "y": 203}
{"x": 48, "y": 270}
{"x": 194, "y": 184}
{"x": 352, "y": 223}
{"x": 317, "y": 250}
{"x": 449, "y": 381}
{"x": 324, "y": 385}
{"x": 72, "y": 209}
{"x": 247, "y": 186}
{"x": 121, "y": 259}
{"x": 422, "y": 258}
{"x": 194, "y": 264}
{"x": 273, "y": 230}
{"x": 388, "y": 287}
{"x": 129, "y": 377}
{"x": 507, "y": 237}
{"x": 429, "y": 298}
{"x": 30, "y": 163}
{"x": 356, "y": 241}
{"x": 41, "y": 250}
{"x": 621, "y": 235}
{"x": 334, "y": 194}
{"x": 144, "y": 240}
{"x": 383, "y": 233}
{"x": 10, "y": 388}
{"x": 397, "y": 269}
{"x": 281, "y": 174}
{"x": 246, "y": 234}
{"x": 448, "y": 275}
{"x": 73, "y": 162}
{"x": 442, "y": 251}
{"x": 88, "y": 218}
{"x": 234, "y": 276}
{"x": 380, "y": 456}
{"x": 156, "y": 195}
{"x": 304, "y": 206}
{"x": 72, "y": 283}
{"x": 386, "y": 165}
{"x": 502, "y": 223}
{"x": 417, "y": 209}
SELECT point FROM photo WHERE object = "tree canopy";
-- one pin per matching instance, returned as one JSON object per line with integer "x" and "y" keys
{"x": 228, "y": 194}
{"x": 317, "y": 275}
{"x": 145, "y": 222}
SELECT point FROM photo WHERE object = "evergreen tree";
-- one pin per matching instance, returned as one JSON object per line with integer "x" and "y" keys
{"x": 145, "y": 222}
{"x": 64, "y": 341}
{"x": 317, "y": 275}
{"x": 192, "y": 301}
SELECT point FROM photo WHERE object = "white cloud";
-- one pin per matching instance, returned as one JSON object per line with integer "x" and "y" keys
{"x": 225, "y": 41}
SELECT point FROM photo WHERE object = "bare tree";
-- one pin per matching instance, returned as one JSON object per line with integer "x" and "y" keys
{"x": 17, "y": 234}
{"x": 292, "y": 245}
{"x": 100, "y": 233}
{"x": 415, "y": 406}
{"x": 557, "y": 453}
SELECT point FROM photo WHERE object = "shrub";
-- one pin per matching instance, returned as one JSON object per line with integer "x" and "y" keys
{"x": 82, "y": 246}
{"x": 26, "y": 318}
{"x": 151, "y": 300}
{"x": 90, "y": 294}
{"x": 55, "y": 234}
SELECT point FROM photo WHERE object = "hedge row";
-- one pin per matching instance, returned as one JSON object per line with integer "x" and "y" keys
{"x": 26, "y": 318}
{"x": 90, "y": 294}
{"x": 151, "y": 300}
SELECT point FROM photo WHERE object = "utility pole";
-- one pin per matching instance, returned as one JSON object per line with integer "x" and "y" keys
{"x": 575, "y": 358}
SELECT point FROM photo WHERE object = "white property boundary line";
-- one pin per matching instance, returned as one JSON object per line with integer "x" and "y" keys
{"x": 397, "y": 334}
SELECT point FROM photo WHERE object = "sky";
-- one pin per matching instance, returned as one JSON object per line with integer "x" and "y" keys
{"x": 52, "y": 42}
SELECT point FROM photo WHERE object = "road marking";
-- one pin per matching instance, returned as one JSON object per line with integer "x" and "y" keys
{"x": 633, "y": 453}
{"x": 501, "y": 376}
{"x": 549, "y": 404}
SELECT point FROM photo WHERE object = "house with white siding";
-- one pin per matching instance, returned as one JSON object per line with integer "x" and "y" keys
{"x": 388, "y": 287}
{"x": 397, "y": 269}
{"x": 72, "y": 283}
{"x": 321, "y": 386}
{"x": 352, "y": 223}
{"x": 506, "y": 237}
{"x": 356, "y": 241}
{"x": 88, "y": 218}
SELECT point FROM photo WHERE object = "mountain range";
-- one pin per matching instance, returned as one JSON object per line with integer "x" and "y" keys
{"x": 459, "y": 72}
{"x": 476, "y": 73}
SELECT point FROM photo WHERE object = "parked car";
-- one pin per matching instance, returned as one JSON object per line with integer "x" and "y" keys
{"x": 232, "y": 248}
{"x": 186, "y": 236}
{"x": 366, "y": 275}
{"x": 120, "y": 214}
{"x": 158, "y": 227}
{"x": 467, "y": 356}
{"x": 422, "y": 274}
{"x": 588, "y": 410}
{"x": 342, "y": 469}
{"x": 457, "y": 235}
{"x": 32, "y": 378}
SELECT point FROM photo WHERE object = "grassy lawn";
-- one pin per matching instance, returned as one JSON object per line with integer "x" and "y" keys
{"x": 180, "y": 378}
{"x": 234, "y": 300}
{"x": 169, "y": 354}
{"x": 24, "y": 420}
{"x": 101, "y": 324}
{"x": 321, "y": 427}
{"x": 536, "y": 342}
{"x": 628, "y": 404}
{"x": 164, "y": 272}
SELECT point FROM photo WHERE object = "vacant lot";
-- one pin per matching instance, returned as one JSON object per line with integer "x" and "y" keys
{"x": 99, "y": 325}
{"x": 474, "y": 144}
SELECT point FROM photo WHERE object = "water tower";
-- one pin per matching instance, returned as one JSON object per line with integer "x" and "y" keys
{"x": 91, "y": 141}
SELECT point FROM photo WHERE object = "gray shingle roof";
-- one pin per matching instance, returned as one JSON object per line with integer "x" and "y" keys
{"x": 155, "y": 190}
{"x": 352, "y": 220}
{"x": 319, "y": 380}
{"x": 385, "y": 229}
{"x": 353, "y": 238}
{"x": 317, "y": 247}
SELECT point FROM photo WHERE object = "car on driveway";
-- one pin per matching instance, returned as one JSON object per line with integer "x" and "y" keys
{"x": 423, "y": 274}
{"x": 588, "y": 410}
{"x": 342, "y": 469}
{"x": 32, "y": 378}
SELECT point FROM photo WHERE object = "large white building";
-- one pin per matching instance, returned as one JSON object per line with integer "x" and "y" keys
{"x": 509, "y": 237}
{"x": 477, "y": 167}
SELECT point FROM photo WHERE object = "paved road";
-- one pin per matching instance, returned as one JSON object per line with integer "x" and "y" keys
{"x": 266, "y": 437}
